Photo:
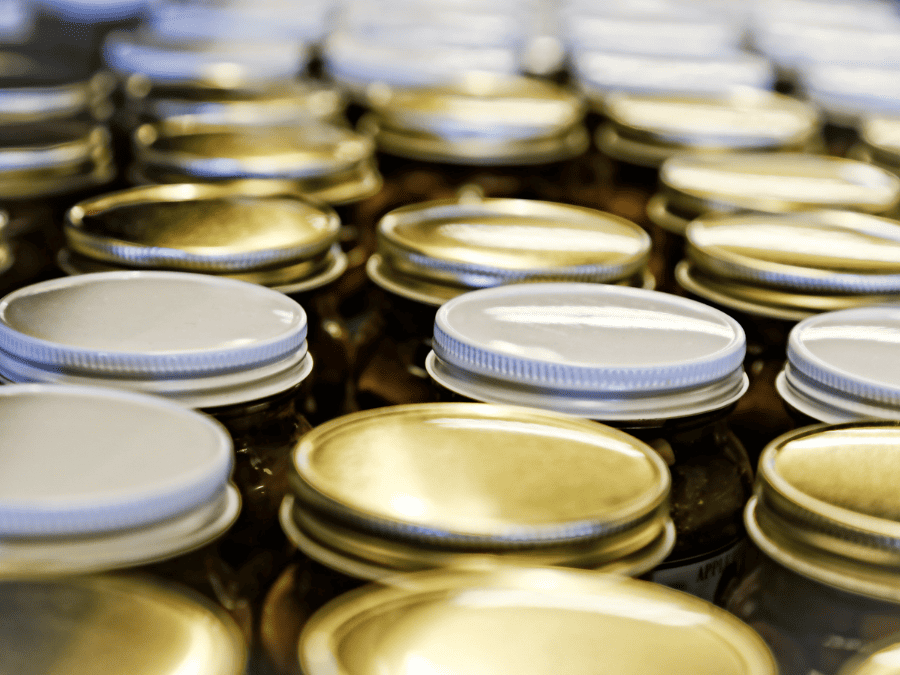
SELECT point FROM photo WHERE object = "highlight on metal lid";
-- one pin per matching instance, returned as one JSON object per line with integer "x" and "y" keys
{"x": 826, "y": 507}
{"x": 842, "y": 365}
{"x": 880, "y": 141}
{"x": 593, "y": 350}
{"x": 433, "y": 251}
{"x": 428, "y": 485}
{"x": 202, "y": 340}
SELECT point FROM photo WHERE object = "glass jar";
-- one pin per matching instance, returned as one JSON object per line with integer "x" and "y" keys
{"x": 262, "y": 234}
{"x": 527, "y": 621}
{"x": 415, "y": 487}
{"x": 431, "y": 252}
{"x": 841, "y": 366}
{"x": 665, "y": 369}
{"x": 44, "y": 169}
{"x": 100, "y": 480}
{"x": 114, "y": 625}
{"x": 825, "y": 518}
{"x": 692, "y": 185}
{"x": 771, "y": 271}
{"x": 229, "y": 348}
{"x": 880, "y": 142}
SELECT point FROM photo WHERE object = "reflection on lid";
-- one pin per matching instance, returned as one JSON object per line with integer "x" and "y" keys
{"x": 535, "y": 238}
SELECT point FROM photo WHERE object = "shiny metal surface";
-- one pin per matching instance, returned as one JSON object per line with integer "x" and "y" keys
{"x": 115, "y": 626}
{"x": 527, "y": 621}
{"x": 883, "y": 661}
{"x": 881, "y": 136}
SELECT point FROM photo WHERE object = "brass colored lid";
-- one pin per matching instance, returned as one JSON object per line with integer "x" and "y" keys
{"x": 278, "y": 240}
{"x": 434, "y": 251}
{"x": 694, "y": 184}
{"x": 419, "y": 486}
{"x": 883, "y": 661}
{"x": 827, "y": 506}
{"x": 117, "y": 626}
{"x": 795, "y": 265}
{"x": 484, "y": 118}
{"x": 648, "y": 129}
{"x": 527, "y": 621}
{"x": 327, "y": 162}
{"x": 881, "y": 136}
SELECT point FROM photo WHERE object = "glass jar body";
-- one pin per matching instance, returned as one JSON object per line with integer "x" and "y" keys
{"x": 810, "y": 627}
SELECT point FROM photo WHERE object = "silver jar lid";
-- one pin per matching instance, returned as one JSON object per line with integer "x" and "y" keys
{"x": 591, "y": 350}
{"x": 268, "y": 237}
{"x": 434, "y": 251}
{"x": 96, "y": 479}
{"x": 826, "y": 506}
{"x": 842, "y": 366}
{"x": 422, "y": 486}
{"x": 204, "y": 341}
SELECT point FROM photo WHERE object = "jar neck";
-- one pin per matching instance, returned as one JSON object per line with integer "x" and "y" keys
{"x": 278, "y": 415}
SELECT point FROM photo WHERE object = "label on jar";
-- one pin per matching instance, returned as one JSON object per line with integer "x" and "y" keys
{"x": 704, "y": 576}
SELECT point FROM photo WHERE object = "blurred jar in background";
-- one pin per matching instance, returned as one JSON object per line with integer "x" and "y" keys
{"x": 879, "y": 142}
{"x": 416, "y": 487}
{"x": 431, "y": 252}
{"x": 826, "y": 520}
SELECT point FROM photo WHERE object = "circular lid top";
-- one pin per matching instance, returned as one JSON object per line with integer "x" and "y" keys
{"x": 434, "y": 251}
{"x": 203, "y": 340}
{"x": 207, "y": 228}
{"x": 882, "y": 136}
{"x": 327, "y": 157}
{"x": 468, "y": 477}
{"x": 746, "y": 118}
{"x": 465, "y": 621}
{"x": 231, "y": 64}
{"x": 776, "y": 183}
{"x": 847, "y": 93}
{"x": 884, "y": 661}
{"x": 796, "y": 264}
{"x": 85, "y": 460}
{"x": 597, "y": 351}
{"x": 115, "y": 625}
{"x": 481, "y": 118}
{"x": 844, "y": 365}
{"x": 827, "y": 507}
{"x": 600, "y": 73}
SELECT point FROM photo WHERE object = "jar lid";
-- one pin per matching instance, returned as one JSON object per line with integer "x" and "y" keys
{"x": 428, "y": 485}
{"x": 526, "y": 621}
{"x": 697, "y": 183}
{"x": 800, "y": 44}
{"x": 96, "y": 479}
{"x": 845, "y": 93}
{"x": 884, "y": 661}
{"x": 55, "y": 157}
{"x": 646, "y": 129}
{"x": 434, "y": 251}
{"x": 792, "y": 266}
{"x": 204, "y": 341}
{"x": 278, "y": 240}
{"x": 826, "y": 506}
{"x": 115, "y": 625}
{"x": 881, "y": 136}
{"x": 483, "y": 118}
{"x": 231, "y": 64}
{"x": 592, "y": 350}
{"x": 601, "y": 73}
{"x": 326, "y": 162}
{"x": 841, "y": 365}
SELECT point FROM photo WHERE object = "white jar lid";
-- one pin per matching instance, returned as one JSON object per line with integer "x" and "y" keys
{"x": 845, "y": 365}
{"x": 602, "y": 352}
{"x": 85, "y": 470}
{"x": 846, "y": 93}
{"x": 204, "y": 341}
{"x": 795, "y": 45}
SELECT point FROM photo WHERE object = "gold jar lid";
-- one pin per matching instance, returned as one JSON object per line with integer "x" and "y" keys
{"x": 434, "y": 251}
{"x": 647, "y": 129}
{"x": 881, "y": 141}
{"x": 527, "y": 621}
{"x": 693, "y": 184}
{"x": 420, "y": 486}
{"x": 881, "y": 661}
{"x": 827, "y": 506}
{"x": 791, "y": 266}
{"x": 326, "y": 162}
{"x": 117, "y": 626}
{"x": 273, "y": 238}
{"x": 483, "y": 118}
{"x": 53, "y": 158}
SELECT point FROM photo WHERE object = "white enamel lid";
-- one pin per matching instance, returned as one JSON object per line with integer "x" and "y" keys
{"x": 85, "y": 471}
{"x": 845, "y": 366}
{"x": 202, "y": 340}
{"x": 846, "y": 93}
{"x": 596, "y": 351}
